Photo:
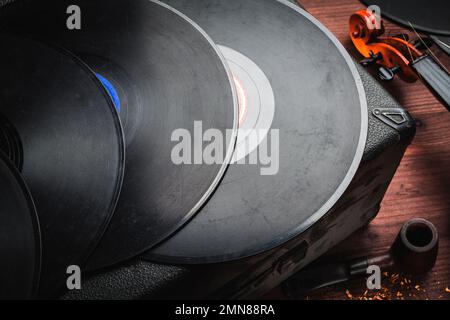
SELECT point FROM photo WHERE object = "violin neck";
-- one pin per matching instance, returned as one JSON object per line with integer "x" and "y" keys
{"x": 435, "y": 77}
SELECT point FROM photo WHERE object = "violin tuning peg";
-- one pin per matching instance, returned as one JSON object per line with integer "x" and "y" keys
{"x": 372, "y": 60}
{"x": 388, "y": 74}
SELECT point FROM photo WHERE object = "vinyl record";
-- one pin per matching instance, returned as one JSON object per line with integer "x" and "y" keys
{"x": 427, "y": 16}
{"x": 64, "y": 135}
{"x": 166, "y": 75}
{"x": 20, "y": 242}
{"x": 443, "y": 43}
{"x": 301, "y": 95}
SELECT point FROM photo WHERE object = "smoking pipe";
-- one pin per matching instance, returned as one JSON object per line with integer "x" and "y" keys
{"x": 413, "y": 252}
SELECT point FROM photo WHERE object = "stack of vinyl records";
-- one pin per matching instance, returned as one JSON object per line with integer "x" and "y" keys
{"x": 183, "y": 132}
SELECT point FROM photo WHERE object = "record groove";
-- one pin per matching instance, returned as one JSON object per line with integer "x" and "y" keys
{"x": 20, "y": 243}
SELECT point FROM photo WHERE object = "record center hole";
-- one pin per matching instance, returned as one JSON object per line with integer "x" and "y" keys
{"x": 419, "y": 235}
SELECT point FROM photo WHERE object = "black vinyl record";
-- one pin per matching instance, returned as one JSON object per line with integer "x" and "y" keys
{"x": 431, "y": 16}
{"x": 20, "y": 242}
{"x": 300, "y": 91}
{"x": 443, "y": 43}
{"x": 63, "y": 132}
{"x": 164, "y": 74}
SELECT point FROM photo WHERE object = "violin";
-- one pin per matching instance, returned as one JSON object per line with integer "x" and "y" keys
{"x": 396, "y": 56}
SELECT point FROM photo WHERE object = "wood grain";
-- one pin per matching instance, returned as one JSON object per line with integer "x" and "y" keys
{"x": 421, "y": 187}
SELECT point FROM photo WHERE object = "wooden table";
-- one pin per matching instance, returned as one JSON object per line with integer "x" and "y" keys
{"x": 421, "y": 187}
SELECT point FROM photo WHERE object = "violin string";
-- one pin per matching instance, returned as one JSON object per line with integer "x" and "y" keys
{"x": 428, "y": 49}
{"x": 390, "y": 32}
{"x": 409, "y": 49}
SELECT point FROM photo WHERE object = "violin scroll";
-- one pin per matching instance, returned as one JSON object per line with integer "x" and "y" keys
{"x": 394, "y": 55}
